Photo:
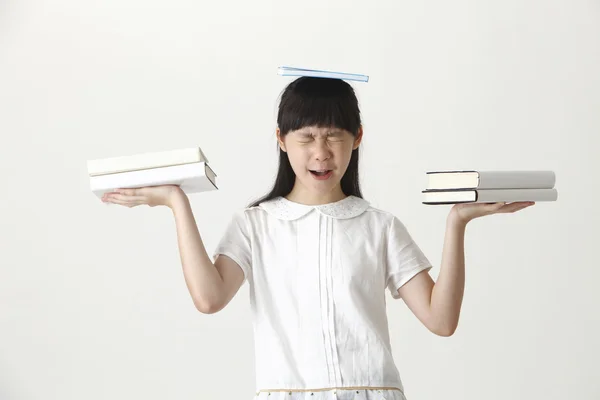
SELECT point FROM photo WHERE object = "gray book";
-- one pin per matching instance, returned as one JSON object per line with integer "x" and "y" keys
{"x": 472, "y": 179}
{"x": 488, "y": 195}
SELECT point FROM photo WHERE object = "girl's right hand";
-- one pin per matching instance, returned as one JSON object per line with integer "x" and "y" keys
{"x": 163, "y": 195}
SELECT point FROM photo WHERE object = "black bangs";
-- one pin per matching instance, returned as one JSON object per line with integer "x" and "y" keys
{"x": 319, "y": 102}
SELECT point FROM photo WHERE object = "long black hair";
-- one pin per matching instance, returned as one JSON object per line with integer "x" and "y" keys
{"x": 323, "y": 102}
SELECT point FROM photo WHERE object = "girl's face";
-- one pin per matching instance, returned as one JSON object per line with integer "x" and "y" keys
{"x": 319, "y": 157}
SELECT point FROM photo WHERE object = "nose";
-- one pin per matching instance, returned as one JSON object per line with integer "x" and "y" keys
{"x": 322, "y": 151}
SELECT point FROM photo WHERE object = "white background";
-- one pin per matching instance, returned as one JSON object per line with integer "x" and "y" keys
{"x": 93, "y": 304}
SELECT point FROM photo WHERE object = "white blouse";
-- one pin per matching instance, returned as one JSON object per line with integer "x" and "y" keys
{"x": 317, "y": 277}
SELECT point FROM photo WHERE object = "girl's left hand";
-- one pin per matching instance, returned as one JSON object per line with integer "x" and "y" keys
{"x": 466, "y": 212}
{"x": 152, "y": 196}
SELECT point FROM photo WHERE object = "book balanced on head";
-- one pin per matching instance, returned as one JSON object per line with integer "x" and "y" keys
{"x": 187, "y": 168}
{"x": 471, "y": 186}
{"x": 317, "y": 73}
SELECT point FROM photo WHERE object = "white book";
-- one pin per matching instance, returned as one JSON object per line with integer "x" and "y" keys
{"x": 147, "y": 160}
{"x": 488, "y": 195}
{"x": 490, "y": 180}
{"x": 191, "y": 178}
{"x": 291, "y": 71}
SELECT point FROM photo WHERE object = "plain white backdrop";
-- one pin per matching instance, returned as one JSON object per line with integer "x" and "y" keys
{"x": 93, "y": 303}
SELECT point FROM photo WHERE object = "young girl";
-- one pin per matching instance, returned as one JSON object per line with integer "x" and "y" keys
{"x": 318, "y": 258}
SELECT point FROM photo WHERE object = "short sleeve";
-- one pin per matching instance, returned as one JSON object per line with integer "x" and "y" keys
{"x": 404, "y": 259}
{"x": 235, "y": 243}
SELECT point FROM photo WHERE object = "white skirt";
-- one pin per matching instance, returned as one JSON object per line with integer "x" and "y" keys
{"x": 333, "y": 394}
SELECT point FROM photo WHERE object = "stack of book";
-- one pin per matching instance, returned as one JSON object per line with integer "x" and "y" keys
{"x": 452, "y": 187}
{"x": 187, "y": 168}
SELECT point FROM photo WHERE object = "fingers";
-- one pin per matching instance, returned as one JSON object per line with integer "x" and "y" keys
{"x": 128, "y": 192}
{"x": 496, "y": 206}
{"x": 490, "y": 208}
{"x": 123, "y": 199}
{"x": 122, "y": 202}
{"x": 516, "y": 206}
{"x": 127, "y": 198}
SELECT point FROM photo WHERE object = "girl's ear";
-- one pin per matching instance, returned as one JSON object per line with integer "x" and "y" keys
{"x": 280, "y": 140}
{"x": 358, "y": 138}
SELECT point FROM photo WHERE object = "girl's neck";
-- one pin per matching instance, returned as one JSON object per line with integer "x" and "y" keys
{"x": 303, "y": 196}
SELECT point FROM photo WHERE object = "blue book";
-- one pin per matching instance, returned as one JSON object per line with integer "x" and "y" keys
{"x": 291, "y": 71}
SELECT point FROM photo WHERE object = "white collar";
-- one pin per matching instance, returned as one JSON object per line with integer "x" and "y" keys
{"x": 282, "y": 208}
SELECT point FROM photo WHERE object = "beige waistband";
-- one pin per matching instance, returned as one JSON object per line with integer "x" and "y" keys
{"x": 329, "y": 389}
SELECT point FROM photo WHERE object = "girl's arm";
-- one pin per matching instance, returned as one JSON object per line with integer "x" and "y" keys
{"x": 211, "y": 285}
{"x": 437, "y": 305}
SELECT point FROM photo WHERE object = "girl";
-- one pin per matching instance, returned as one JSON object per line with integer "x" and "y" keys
{"x": 318, "y": 258}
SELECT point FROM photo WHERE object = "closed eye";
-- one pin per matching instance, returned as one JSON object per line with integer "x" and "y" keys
{"x": 333, "y": 136}
{"x": 305, "y": 138}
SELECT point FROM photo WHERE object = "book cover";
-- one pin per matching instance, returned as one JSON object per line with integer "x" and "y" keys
{"x": 292, "y": 71}
{"x": 507, "y": 179}
{"x": 135, "y": 162}
{"x": 445, "y": 196}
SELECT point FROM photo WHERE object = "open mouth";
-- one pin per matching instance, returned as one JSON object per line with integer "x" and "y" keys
{"x": 322, "y": 173}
